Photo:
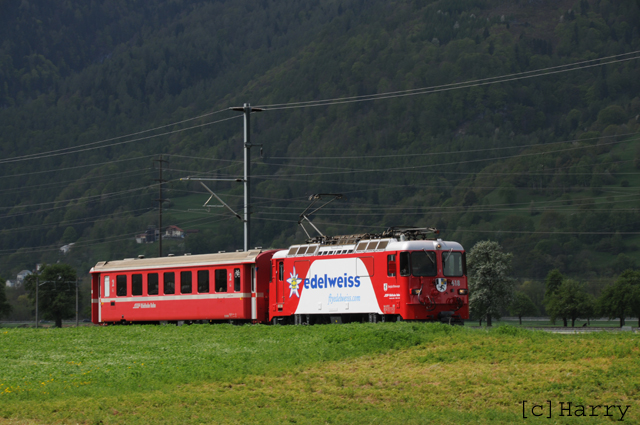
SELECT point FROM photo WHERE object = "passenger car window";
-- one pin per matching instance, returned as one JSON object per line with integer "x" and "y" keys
{"x": 136, "y": 284}
{"x": 186, "y": 285}
{"x": 152, "y": 284}
{"x": 170, "y": 283}
{"x": 203, "y": 281}
{"x": 221, "y": 280}
{"x": 121, "y": 285}
{"x": 236, "y": 280}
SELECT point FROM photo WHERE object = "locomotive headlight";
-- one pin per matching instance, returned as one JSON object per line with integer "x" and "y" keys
{"x": 463, "y": 291}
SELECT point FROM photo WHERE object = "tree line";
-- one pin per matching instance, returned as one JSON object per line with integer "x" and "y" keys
{"x": 492, "y": 292}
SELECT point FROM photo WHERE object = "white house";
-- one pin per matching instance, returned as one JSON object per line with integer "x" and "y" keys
{"x": 174, "y": 232}
{"x": 66, "y": 248}
{"x": 22, "y": 276}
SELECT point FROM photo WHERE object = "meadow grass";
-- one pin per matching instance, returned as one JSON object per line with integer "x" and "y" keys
{"x": 357, "y": 373}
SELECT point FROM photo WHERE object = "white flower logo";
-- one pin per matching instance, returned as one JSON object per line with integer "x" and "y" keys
{"x": 294, "y": 283}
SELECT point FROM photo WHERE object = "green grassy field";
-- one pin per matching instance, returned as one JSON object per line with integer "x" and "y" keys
{"x": 357, "y": 373}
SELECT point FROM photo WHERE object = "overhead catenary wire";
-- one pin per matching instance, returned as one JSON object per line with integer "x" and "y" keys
{"x": 423, "y": 154}
{"x": 454, "y": 86}
{"x": 57, "y": 170}
{"x": 85, "y": 149}
{"x": 121, "y": 174}
{"x": 407, "y": 168}
{"x": 31, "y": 156}
{"x": 81, "y": 199}
{"x": 91, "y": 219}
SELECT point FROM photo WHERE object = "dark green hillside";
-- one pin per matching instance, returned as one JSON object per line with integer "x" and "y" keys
{"x": 543, "y": 158}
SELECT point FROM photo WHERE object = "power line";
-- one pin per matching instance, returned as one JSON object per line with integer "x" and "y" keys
{"x": 121, "y": 174}
{"x": 70, "y": 222}
{"x": 31, "y": 156}
{"x": 404, "y": 169}
{"x": 83, "y": 198}
{"x": 56, "y": 170}
{"x": 454, "y": 86}
{"x": 85, "y": 149}
{"x": 412, "y": 155}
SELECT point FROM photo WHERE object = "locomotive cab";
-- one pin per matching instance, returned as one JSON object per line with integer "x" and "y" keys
{"x": 435, "y": 281}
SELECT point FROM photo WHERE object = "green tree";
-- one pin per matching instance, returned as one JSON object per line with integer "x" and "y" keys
{"x": 590, "y": 308}
{"x": 522, "y": 306}
{"x": 570, "y": 301}
{"x": 618, "y": 300}
{"x": 5, "y": 307}
{"x": 490, "y": 282}
{"x": 56, "y": 293}
{"x": 634, "y": 302}
{"x": 552, "y": 283}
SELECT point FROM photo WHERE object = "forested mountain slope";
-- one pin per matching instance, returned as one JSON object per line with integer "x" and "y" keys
{"x": 543, "y": 157}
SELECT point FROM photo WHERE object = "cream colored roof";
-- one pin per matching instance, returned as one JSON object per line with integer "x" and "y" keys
{"x": 178, "y": 261}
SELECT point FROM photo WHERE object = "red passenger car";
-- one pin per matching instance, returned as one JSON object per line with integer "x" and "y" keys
{"x": 195, "y": 288}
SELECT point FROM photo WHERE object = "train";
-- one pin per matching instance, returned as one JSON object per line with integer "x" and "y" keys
{"x": 400, "y": 274}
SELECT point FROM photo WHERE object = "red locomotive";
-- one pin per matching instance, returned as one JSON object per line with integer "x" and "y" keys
{"x": 400, "y": 274}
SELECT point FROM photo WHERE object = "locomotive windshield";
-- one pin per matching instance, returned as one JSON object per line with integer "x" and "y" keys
{"x": 423, "y": 263}
{"x": 453, "y": 264}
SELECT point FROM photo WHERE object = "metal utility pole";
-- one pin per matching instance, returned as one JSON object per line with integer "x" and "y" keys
{"x": 247, "y": 110}
{"x": 76, "y": 302}
{"x": 37, "y": 286}
{"x": 160, "y": 201}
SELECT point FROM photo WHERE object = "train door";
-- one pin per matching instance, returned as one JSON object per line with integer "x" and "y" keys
{"x": 107, "y": 293}
{"x": 254, "y": 295}
{"x": 392, "y": 272}
{"x": 98, "y": 297}
{"x": 280, "y": 282}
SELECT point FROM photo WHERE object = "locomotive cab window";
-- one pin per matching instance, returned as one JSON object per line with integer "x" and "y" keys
{"x": 152, "y": 284}
{"x": 203, "y": 281}
{"x": 186, "y": 286}
{"x": 121, "y": 285}
{"x": 221, "y": 280}
{"x": 423, "y": 263}
{"x": 236, "y": 280}
{"x": 453, "y": 264}
{"x": 404, "y": 264}
{"x": 280, "y": 271}
{"x": 170, "y": 283}
{"x": 136, "y": 284}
